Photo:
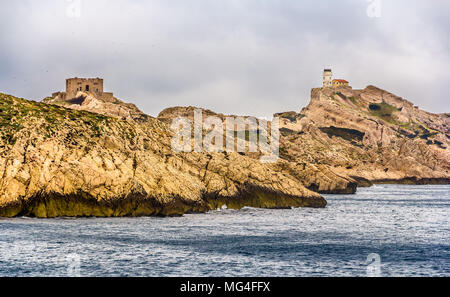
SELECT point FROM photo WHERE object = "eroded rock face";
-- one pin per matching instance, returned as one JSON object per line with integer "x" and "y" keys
{"x": 113, "y": 107}
{"x": 369, "y": 135}
{"x": 106, "y": 158}
{"x": 347, "y": 137}
{"x": 56, "y": 161}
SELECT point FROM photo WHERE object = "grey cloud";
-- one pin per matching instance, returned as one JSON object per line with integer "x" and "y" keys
{"x": 232, "y": 56}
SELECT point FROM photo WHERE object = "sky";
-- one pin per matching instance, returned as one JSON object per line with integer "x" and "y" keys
{"x": 242, "y": 57}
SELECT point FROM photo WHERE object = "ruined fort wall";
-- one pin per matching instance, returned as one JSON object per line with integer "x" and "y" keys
{"x": 74, "y": 85}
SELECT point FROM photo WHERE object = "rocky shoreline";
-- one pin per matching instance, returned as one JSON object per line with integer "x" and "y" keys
{"x": 84, "y": 205}
{"x": 104, "y": 159}
{"x": 414, "y": 181}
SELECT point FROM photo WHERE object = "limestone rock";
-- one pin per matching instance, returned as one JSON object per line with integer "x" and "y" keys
{"x": 369, "y": 135}
{"x": 57, "y": 161}
{"x": 96, "y": 157}
{"x": 88, "y": 101}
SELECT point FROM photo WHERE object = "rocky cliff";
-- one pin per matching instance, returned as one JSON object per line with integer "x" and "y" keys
{"x": 66, "y": 161}
{"x": 369, "y": 135}
{"x": 91, "y": 157}
{"x": 347, "y": 138}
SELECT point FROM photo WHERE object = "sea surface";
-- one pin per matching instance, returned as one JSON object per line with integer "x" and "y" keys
{"x": 385, "y": 230}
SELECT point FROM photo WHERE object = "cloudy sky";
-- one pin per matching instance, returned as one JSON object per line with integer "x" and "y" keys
{"x": 251, "y": 57}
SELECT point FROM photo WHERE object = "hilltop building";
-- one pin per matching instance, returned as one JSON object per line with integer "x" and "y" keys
{"x": 339, "y": 82}
{"x": 90, "y": 85}
{"x": 327, "y": 78}
{"x": 329, "y": 82}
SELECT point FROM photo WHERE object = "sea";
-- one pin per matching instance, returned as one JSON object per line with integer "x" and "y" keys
{"x": 384, "y": 230}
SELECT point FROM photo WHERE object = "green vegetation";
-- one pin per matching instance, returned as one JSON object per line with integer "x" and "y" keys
{"x": 341, "y": 95}
{"x": 290, "y": 115}
{"x": 17, "y": 113}
{"x": 354, "y": 100}
{"x": 344, "y": 133}
{"x": 284, "y": 154}
{"x": 287, "y": 132}
{"x": 10, "y": 119}
{"x": 415, "y": 129}
{"x": 427, "y": 135}
{"x": 248, "y": 134}
{"x": 383, "y": 111}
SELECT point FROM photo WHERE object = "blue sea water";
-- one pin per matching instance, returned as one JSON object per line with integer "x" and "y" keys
{"x": 404, "y": 229}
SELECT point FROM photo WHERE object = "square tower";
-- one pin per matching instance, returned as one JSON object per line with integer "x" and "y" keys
{"x": 74, "y": 85}
{"x": 327, "y": 78}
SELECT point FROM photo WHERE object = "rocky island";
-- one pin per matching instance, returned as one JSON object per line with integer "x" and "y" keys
{"x": 94, "y": 155}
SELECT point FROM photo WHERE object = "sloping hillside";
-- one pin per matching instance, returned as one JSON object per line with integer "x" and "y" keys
{"x": 56, "y": 161}
{"x": 346, "y": 137}
{"x": 369, "y": 134}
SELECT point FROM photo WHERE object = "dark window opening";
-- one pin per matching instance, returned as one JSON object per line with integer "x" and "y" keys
{"x": 87, "y": 88}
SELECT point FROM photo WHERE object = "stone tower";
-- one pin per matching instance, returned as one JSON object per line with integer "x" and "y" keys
{"x": 93, "y": 86}
{"x": 327, "y": 78}
{"x": 74, "y": 85}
